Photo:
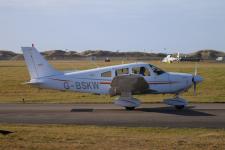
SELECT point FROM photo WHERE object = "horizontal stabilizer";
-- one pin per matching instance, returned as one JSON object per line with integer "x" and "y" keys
{"x": 33, "y": 83}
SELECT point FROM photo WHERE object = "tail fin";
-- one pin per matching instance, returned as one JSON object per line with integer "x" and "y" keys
{"x": 37, "y": 65}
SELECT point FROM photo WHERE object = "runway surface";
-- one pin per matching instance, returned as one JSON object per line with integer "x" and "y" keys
{"x": 148, "y": 115}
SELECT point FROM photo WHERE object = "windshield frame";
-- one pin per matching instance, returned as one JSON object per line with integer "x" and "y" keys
{"x": 156, "y": 70}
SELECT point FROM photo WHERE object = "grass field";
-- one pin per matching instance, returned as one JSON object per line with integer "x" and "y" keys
{"x": 14, "y": 73}
{"x": 51, "y": 137}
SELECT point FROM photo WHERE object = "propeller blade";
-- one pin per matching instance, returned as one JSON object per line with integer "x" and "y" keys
{"x": 195, "y": 84}
{"x": 196, "y": 69}
{"x": 195, "y": 88}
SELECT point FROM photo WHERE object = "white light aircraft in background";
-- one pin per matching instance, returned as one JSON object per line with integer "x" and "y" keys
{"x": 123, "y": 80}
{"x": 169, "y": 59}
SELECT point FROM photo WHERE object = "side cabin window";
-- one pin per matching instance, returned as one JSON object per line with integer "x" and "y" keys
{"x": 122, "y": 71}
{"x": 106, "y": 74}
{"x": 141, "y": 70}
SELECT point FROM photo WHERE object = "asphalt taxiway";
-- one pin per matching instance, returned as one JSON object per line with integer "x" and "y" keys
{"x": 148, "y": 115}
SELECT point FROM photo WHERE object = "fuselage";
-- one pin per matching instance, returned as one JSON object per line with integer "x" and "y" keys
{"x": 99, "y": 80}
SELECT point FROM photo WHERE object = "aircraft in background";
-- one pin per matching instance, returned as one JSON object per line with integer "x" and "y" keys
{"x": 219, "y": 58}
{"x": 169, "y": 59}
{"x": 123, "y": 80}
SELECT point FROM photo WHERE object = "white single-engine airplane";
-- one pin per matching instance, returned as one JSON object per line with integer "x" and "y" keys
{"x": 169, "y": 59}
{"x": 123, "y": 80}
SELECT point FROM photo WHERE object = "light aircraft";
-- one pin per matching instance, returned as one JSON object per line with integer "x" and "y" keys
{"x": 123, "y": 80}
{"x": 169, "y": 59}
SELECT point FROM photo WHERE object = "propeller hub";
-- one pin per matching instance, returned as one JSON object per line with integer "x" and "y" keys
{"x": 197, "y": 79}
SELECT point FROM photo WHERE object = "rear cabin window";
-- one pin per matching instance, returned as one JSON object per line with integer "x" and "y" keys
{"x": 122, "y": 71}
{"x": 106, "y": 74}
{"x": 141, "y": 70}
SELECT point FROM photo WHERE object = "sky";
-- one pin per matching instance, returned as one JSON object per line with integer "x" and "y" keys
{"x": 117, "y": 25}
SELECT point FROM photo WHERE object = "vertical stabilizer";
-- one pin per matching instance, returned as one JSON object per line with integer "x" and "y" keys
{"x": 37, "y": 66}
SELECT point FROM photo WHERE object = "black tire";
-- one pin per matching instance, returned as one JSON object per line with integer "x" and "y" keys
{"x": 179, "y": 106}
{"x": 130, "y": 108}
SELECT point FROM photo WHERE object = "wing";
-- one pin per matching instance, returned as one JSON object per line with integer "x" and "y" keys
{"x": 128, "y": 84}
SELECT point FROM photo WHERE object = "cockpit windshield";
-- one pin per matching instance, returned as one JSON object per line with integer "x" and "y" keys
{"x": 156, "y": 70}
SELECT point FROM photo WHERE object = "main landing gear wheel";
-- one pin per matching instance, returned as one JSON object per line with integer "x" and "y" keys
{"x": 129, "y": 108}
{"x": 128, "y": 102}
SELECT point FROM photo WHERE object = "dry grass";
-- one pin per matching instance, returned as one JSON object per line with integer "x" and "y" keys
{"x": 14, "y": 73}
{"x": 51, "y": 137}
